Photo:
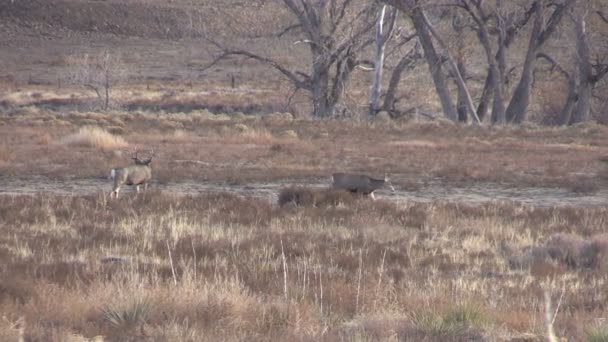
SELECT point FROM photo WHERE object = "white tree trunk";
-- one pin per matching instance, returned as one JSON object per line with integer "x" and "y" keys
{"x": 378, "y": 63}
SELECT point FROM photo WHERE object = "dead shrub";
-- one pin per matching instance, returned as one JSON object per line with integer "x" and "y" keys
{"x": 566, "y": 249}
{"x": 561, "y": 250}
{"x": 93, "y": 136}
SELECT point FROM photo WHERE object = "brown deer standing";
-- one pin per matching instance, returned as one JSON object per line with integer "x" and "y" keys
{"x": 138, "y": 174}
{"x": 359, "y": 183}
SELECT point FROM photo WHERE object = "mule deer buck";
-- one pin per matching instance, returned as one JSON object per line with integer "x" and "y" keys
{"x": 138, "y": 174}
{"x": 357, "y": 183}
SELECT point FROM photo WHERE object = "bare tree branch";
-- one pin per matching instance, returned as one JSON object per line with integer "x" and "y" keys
{"x": 459, "y": 80}
{"x": 290, "y": 75}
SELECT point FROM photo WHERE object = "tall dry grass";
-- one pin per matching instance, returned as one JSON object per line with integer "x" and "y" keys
{"x": 228, "y": 268}
{"x": 96, "y": 137}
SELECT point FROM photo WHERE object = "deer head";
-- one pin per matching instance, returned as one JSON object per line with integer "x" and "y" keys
{"x": 387, "y": 181}
{"x": 138, "y": 161}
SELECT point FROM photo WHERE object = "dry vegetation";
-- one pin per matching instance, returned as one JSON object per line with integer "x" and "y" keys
{"x": 241, "y": 148}
{"x": 227, "y": 268}
{"x": 91, "y": 136}
{"x": 319, "y": 265}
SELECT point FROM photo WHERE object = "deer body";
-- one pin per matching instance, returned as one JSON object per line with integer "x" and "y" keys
{"x": 138, "y": 174}
{"x": 359, "y": 183}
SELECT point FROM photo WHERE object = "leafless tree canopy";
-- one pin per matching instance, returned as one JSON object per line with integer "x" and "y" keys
{"x": 487, "y": 60}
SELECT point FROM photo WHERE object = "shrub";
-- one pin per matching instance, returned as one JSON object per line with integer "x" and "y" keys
{"x": 597, "y": 332}
{"x": 129, "y": 314}
{"x": 92, "y": 136}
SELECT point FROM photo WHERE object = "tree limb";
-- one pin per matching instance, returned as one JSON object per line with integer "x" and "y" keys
{"x": 290, "y": 75}
{"x": 554, "y": 64}
{"x": 460, "y": 81}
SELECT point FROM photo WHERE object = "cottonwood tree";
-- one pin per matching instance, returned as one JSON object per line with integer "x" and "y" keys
{"x": 496, "y": 28}
{"x": 384, "y": 32}
{"x": 543, "y": 27}
{"x": 407, "y": 61}
{"x": 589, "y": 64}
{"x": 589, "y": 71}
{"x": 425, "y": 33}
{"x": 336, "y": 33}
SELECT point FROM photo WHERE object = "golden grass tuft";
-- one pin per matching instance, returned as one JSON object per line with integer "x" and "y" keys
{"x": 96, "y": 137}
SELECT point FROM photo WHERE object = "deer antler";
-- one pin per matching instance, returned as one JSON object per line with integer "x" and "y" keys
{"x": 134, "y": 154}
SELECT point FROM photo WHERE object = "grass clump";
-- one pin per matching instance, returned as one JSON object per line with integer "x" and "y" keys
{"x": 96, "y": 137}
{"x": 127, "y": 315}
{"x": 597, "y": 332}
{"x": 455, "y": 321}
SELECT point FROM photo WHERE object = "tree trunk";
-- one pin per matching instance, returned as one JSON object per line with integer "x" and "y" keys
{"x": 518, "y": 106}
{"x": 393, "y": 83}
{"x": 454, "y": 68}
{"x": 484, "y": 101}
{"x": 499, "y": 115}
{"x": 320, "y": 92}
{"x": 565, "y": 116}
{"x": 517, "y": 110}
{"x": 424, "y": 36}
{"x": 321, "y": 107}
{"x": 583, "y": 104}
{"x": 378, "y": 63}
{"x": 461, "y": 103}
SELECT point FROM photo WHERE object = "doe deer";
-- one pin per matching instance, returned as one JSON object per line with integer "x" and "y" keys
{"x": 138, "y": 174}
{"x": 359, "y": 183}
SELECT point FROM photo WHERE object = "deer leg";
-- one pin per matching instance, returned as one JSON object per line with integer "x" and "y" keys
{"x": 371, "y": 195}
{"x": 137, "y": 188}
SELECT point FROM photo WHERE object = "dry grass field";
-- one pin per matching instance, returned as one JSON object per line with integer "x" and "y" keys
{"x": 170, "y": 267}
{"x": 316, "y": 265}
{"x": 225, "y": 268}
{"x": 237, "y": 148}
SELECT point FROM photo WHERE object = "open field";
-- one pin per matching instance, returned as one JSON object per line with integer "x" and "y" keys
{"x": 166, "y": 266}
{"x": 240, "y": 148}
{"x": 494, "y": 233}
{"x": 220, "y": 267}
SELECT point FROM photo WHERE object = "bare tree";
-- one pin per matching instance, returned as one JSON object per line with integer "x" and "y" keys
{"x": 590, "y": 71}
{"x": 407, "y": 61}
{"x": 425, "y": 32}
{"x": 98, "y": 73}
{"x": 495, "y": 78}
{"x": 589, "y": 67}
{"x": 517, "y": 110}
{"x": 415, "y": 12}
{"x": 383, "y": 34}
{"x": 336, "y": 32}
